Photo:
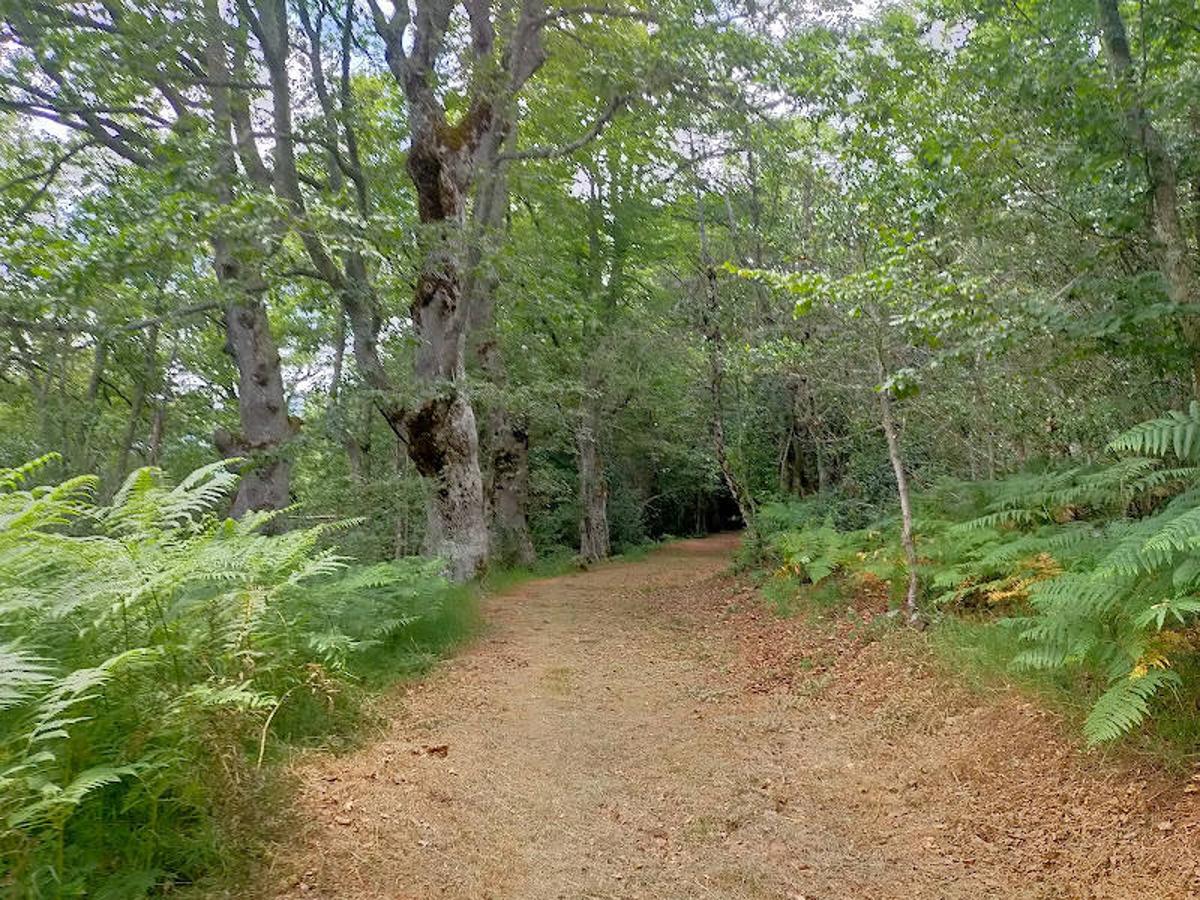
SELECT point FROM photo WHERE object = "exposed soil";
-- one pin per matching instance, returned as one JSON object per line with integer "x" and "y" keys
{"x": 648, "y": 730}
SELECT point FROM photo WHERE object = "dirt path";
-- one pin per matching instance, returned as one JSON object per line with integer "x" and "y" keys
{"x": 642, "y": 731}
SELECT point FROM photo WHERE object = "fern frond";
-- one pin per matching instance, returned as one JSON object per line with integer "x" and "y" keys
{"x": 21, "y": 674}
{"x": 234, "y": 696}
{"x": 1082, "y": 594}
{"x": 1178, "y": 534}
{"x": 1000, "y": 518}
{"x": 11, "y": 479}
{"x": 1159, "y": 477}
{"x": 1125, "y": 704}
{"x": 1176, "y": 433}
{"x": 52, "y": 718}
{"x": 1056, "y": 643}
{"x": 1187, "y": 573}
{"x": 1178, "y": 608}
{"x": 57, "y": 803}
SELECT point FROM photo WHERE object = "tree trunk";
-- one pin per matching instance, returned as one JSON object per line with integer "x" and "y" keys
{"x": 907, "y": 541}
{"x": 984, "y": 412}
{"x": 265, "y": 427}
{"x": 402, "y": 543}
{"x": 137, "y": 402}
{"x": 817, "y": 432}
{"x": 711, "y": 330}
{"x": 82, "y": 458}
{"x": 265, "y": 484}
{"x": 508, "y": 484}
{"x": 506, "y": 440}
{"x": 262, "y": 410}
{"x": 1174, "y": 253}
{"x": 823, "y": 482}
{"x": 455, "y": 527}
{"x": 355, "y": 463}
{"x": 785, "y": 460}
{"x": 439, "y": 427}
{"x": 145, "y": 384}
{"x": 443, "y": 441}
{"x": 594, "y": 543}
{"x": 741, "y": 497}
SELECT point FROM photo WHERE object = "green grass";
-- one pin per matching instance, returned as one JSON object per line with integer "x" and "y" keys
{"x": 790, "y": 596}
{"x": 336, "y": 722}
{"x": 426, "y": 641}
{"x": 497, "y": 581}
{"x": 338, "y": 719}
{"x": 977, "y": 651}
{"x": 562, "y": 562}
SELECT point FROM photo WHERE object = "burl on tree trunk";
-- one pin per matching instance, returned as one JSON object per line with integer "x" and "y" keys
{"x": 440, "y": 429}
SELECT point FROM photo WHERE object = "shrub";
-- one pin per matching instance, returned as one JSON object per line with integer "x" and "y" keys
{"x": 147, "y": 648}
{"x": 1096, "y": 568}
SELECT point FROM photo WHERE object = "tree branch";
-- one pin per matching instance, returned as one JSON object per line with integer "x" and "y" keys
{"x": 95, "y": 331}
{"x": 47, "y": 176}
{"x": 552, "y": 152}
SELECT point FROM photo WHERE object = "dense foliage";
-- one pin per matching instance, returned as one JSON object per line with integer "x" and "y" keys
{"x": 150, "y": 651}
{"x": 887, "y": 284}
{"x": 1090, "y": 569}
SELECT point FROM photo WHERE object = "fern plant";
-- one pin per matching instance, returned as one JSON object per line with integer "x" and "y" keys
{"x": 1124, "y": 610}
{"x": 1117, "y": 592}
{"x": 1097, "y": 567}
{"x": 813, "y": 554}
{"x": 146, "y": 648}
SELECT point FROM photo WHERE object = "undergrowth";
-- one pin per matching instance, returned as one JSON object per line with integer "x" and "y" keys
{"x": 1081, "y": 582}
{"x": 155, "y": 658}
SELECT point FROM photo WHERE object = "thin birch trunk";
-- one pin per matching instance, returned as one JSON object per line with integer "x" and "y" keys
{"x": 892, "y": 435}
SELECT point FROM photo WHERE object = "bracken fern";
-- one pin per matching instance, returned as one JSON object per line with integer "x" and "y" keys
{"x": 1097, "y": 567}
{"x": 145, "y": 648}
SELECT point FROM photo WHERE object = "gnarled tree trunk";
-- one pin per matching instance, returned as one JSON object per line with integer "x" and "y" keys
{"x": 440, "y": 429}
{"x": 265, "y": 427}
{"x": 506, "y": 439}
{"x": 262, "y": 408}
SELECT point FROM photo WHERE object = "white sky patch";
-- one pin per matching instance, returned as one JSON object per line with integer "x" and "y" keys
{"x": 948, "y": 37}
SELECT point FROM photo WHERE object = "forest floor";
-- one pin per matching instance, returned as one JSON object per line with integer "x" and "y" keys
{"x": 650, "y": 730}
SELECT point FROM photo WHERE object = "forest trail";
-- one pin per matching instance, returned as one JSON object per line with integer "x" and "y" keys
{"x": 647, "y": 730}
